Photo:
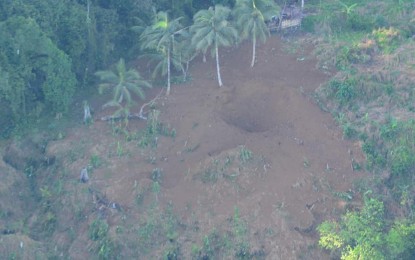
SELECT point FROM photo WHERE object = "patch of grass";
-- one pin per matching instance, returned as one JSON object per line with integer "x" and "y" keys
{"x": 402, "y": 159}
{"x": 229, "y": 166}
{"x": 356, "y": 166}
{"x": 95, "y": 161}
{"x": 140, "y": 193}
{"x": 103, "y": 245}
{"x": 157, "y": 175}
{"x": 117, "y": 149}
{"x": 245, "y": 155}
{"x": 172, "y": 253}
{"x": 344, "y": 195}
{"x": 212, "y": 173}
{"x": 147, "y": 140}
{"x": 231, "y": 242}
{"x": 374, "y": 154}
{"x": 98, "y": 230}
{"x": 217, "y": 169}
{"x": 349, "y": 131}
{"x": 159, "y": 228}
{"x": 120, "y": 150}
{"x": 212, "y": 246}
{"x": 343, "y": 91}
{"x": 386, "y": 38}
{"x": 390, "y": 129}
{"x": 149, "y": 137}
{"x": 241, "y": 244}
{"x": 48, "y": 222}
{"x": 146, "y": 235}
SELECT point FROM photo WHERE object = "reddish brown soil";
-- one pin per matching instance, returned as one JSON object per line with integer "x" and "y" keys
{"x": 300, "y": 159}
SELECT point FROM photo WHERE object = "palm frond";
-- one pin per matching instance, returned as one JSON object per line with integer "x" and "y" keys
{"x": 117, "y": 93}
{"x": 139, "y": 92}
{"x": 251, "y": 16}
{"x": 120, "y": 67}
{"x": 112, "y": 103}
{"x": 106, "y": 76}
{"x": 122, "y": 112}
{"x": 123, "y": 82}
{"x": 127, "y": 95}
{"x": 160, "y": 68}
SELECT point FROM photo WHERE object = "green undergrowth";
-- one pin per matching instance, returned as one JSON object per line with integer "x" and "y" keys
{"x": 149, "y": 136}
{"x": 230, "y": 166}
{"x": 372, "y": 93}
{"x": 368, "y": 48}
{"x": 368, "y": 234}
{"x": 159, "y": 231}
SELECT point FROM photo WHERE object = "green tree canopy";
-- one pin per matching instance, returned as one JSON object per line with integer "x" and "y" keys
{"x": 37, "y": 70}
{"x": 161, "y": 37}
{"x": 124, "y": 83}
{"x": 365, "y": 235}
{"x": 250, "y": 19}
{"x": 212, "y": 29}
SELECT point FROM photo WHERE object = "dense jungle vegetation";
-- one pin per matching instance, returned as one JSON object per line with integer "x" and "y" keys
{"x": 52, "y": 52}
{"x": 371, "y": 46}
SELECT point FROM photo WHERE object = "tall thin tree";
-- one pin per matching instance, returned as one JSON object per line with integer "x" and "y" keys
{"x": 212, "y": 29}
{"x": 124, "y": 82}
{"x": 251, "y": 16}
{"x": 161, "y": 37}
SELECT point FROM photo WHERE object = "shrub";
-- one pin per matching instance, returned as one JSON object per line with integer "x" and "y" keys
{"x": 403, "y": 160}
{"x": 387, "y": 39}
{"x": 343, "y": 91}
{"x": 373, "y": 154}
{"x": 361, "y": 235}
{"x": 98, "y": 230}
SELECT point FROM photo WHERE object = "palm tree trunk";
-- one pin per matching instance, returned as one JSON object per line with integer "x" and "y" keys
{"x": 23, "y": 97}
{"x": 168, "y": 73}
{"x": 185, "y": 69}
{"x": 217, "y": 64}
{"x": 253, "y": 50}
{"x": 121, "y": 95}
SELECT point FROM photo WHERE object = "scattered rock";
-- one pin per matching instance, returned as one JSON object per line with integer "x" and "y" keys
{"x": 84, "y": 175}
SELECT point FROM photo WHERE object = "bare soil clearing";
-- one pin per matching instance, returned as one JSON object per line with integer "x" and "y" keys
{"x": 298, "y": 160}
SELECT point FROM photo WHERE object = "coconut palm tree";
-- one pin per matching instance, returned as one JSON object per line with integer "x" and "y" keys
{"x": 185, "y": 54}
{"x": 124, "y": 83}
{"x": 162, "y": 62}
{"x": 161, "y": 37}
{"x": 250, "y": 19}
{"x": 212, "y": 29}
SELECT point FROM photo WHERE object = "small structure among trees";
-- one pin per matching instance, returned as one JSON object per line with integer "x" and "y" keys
{"x": 290, "y": 17}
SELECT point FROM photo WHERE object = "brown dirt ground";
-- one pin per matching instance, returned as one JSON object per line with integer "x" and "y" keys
{"x": 300, "y": 160}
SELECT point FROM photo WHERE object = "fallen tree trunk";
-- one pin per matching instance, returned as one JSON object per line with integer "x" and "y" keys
{"x": 130, "y": 116}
